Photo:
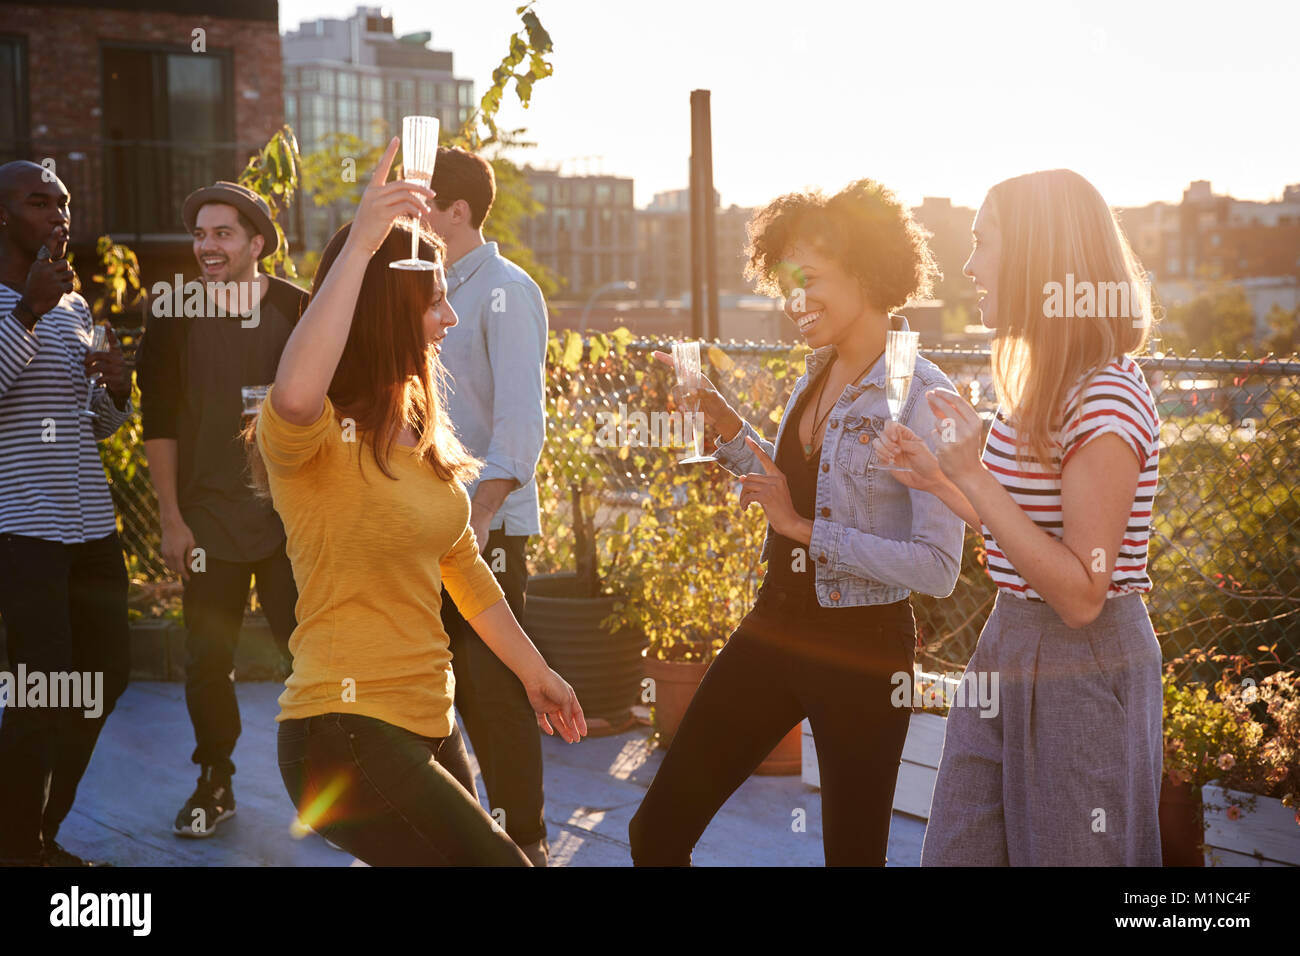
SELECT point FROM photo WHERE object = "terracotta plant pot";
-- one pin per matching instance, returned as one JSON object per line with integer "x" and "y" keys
{"x": 1181, "y": 832}
{"x": 675, "y": 685}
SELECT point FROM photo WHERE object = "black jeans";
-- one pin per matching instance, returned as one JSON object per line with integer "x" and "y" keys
{"x": 789, "y": 659}
{"x": 214, "y": 603}
{"x": 389, "y": 796}
{"x": 498, "y": 718}
{"x": 64, "y": 608}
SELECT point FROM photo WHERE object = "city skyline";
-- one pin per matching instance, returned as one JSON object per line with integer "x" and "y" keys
{"x": 959, "y": 84}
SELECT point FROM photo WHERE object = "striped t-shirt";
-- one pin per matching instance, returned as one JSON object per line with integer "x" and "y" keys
{"x": 52, "y": 482}
{"x": 1116, "y": 401}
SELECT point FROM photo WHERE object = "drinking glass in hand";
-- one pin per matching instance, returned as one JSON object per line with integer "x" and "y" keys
{"x": 419, "y": 153}
{"x": 98, "y": 343}
{"x": 686, "y": 360}
{"x": 253, "y": 396}
{"x": 900, "y": 363}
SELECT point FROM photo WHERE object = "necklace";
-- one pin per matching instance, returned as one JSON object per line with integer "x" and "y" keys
{"x": 819, "y": 421}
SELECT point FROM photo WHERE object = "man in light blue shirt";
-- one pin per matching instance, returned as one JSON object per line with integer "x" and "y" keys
{"x": 495, "y": 358}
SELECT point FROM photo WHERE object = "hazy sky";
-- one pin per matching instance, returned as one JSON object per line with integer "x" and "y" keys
{"x": 932, "y": 98}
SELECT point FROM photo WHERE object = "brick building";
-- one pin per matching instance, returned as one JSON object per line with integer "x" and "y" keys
{"x": 138, "y": 102}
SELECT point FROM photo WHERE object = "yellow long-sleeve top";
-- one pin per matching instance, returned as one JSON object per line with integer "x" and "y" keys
{"x": 370, "y": 555}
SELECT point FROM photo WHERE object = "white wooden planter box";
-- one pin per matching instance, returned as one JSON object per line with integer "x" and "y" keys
{"x": 1265, "y": 836}
{"x": 917, "y": 772}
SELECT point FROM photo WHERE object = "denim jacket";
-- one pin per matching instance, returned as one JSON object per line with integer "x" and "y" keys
{"x": 874, "y": 540}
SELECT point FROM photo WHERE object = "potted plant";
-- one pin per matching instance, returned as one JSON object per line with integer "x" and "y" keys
{"x": 1252, "y": 807}
{"x": 578, "y": 563}
{"x": 1232, "y": 761}
{"x": 698, "y": 575}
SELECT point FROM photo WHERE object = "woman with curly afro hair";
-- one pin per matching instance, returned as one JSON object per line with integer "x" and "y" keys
{"x": 832, "y": 634}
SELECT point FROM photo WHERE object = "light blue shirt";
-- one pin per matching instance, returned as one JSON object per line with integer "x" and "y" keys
{"x": 495, "y": 357}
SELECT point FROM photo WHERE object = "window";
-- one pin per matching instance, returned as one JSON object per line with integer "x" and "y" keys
{"x": 349, "y": 117}
{"x": 401, "y": 89}
{"x": 467, "y": 94}
{"x": 309, "y": 79}
{"x": 447, "y": 94}
{"x": 623, "y": 194}
{"x": 603, "y": 193}
{"x": 372, "y": 123}
{"x": 372, "y": 87}
{"x": 14, "y": 129}
{"x": 348, "y": 85}
{"x": 582, "y": 193}
{"x": 561, "y": 192}
{"x": 327, "y": 81}
{"x": 168, "y": 128}
{"x": 540, "y": 192}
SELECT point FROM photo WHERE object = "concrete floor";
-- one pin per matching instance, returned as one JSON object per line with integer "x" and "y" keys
{"x": 141, "y": 774}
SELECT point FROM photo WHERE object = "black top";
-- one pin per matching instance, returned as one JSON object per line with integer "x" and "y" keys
{"x": 191, "y": 371}
{"x": 801, "y": 478}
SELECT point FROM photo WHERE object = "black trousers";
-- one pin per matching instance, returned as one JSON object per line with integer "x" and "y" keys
{"x": 214, "y": 603}
{"x": 389, "y": 796}
{"x": 789, "y": 659}
{"x": 64, "y": 608}
{"x": 489, "y": 698}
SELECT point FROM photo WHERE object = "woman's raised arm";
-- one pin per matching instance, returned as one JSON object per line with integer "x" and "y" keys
{"x": 312, "y": 353}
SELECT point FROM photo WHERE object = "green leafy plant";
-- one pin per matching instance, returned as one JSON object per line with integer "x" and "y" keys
{"x": 274, "y": 173}
{"x": 696, "y": 556}
{"x": 1243, "y": 734}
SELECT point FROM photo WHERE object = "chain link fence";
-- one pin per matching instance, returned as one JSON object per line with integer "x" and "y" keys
{"x": 1225, "y": 542}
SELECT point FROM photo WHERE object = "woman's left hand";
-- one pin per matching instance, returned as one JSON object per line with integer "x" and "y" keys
{"x": 772, "y": 492}
{"x": 553, "y": 701}
{"x": 960, "y": 432}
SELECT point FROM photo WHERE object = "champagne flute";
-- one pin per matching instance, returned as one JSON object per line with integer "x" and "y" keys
{"x": 419, "y": 153}
{"x": 253, "y": 396}
{"x": 686, "y": 360}
{"x": 900, "y": 363}
{"x": 98, "y": 343}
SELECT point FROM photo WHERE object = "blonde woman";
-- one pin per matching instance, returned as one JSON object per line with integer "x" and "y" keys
{"x": 1067, "y": 770}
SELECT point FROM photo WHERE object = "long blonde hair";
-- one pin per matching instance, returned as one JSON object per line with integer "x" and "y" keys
{"x": 1055, "y": 225}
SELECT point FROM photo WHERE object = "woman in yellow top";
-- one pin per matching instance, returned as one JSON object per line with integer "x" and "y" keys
{"x": 366, "y": 473}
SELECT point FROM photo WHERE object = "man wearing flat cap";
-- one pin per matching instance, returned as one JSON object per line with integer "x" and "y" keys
{"x": 215, "y": 533}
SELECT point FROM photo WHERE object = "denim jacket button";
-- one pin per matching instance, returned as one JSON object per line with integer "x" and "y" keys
{"x": 835, "y": 595}
{"x": 825, "y": 467}
{"x": 835, "y": 423}
{"x": 821, "y": 559}
{"x": 863, "y": 439}
{"x": 826, "y": 512}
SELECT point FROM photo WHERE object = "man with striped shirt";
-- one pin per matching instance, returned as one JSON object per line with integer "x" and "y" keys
{"x": 63, "y": 583}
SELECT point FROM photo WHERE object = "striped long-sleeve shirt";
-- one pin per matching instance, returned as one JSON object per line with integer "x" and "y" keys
{"x": 52, "y": 482}
{"x": 1118, "y": 401}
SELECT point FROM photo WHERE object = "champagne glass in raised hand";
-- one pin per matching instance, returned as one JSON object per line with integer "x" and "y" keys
{"x": 686, "y": 359}
{"x": 419, "y": 153}
{"x": 900, "y": 363}
{"x": 98, "y": 343}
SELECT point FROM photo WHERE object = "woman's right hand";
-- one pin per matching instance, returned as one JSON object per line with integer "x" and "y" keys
{"x": 900, "y": 447}
{"x": 713, "y": 406}
{"x": 383, "y": 203}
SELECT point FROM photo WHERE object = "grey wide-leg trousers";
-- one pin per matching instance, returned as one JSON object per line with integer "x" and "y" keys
{"x": 1067, "y": 771}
